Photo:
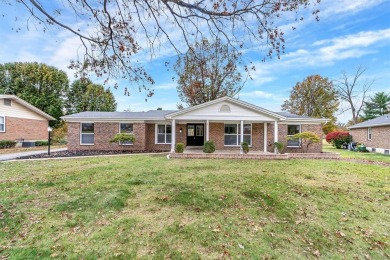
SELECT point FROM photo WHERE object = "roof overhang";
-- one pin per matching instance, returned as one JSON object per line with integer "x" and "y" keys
{"x": 366, "y": 126}
{"x": 28, "y": 105}
{"x": 190, "y": 113}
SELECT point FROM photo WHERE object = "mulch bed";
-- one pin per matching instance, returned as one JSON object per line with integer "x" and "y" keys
{"x": 81, "y": 153}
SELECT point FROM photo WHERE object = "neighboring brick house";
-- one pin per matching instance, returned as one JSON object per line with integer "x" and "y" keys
{"x": 226, "y": 121}
{"x": 21, "y": 121}
{"x": 374, "y": 134}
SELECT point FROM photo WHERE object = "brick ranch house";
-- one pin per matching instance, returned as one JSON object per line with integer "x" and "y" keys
{"x": 374, "y": 134}
{"x": 21, "y": 121}
{"x": 226, "y": 121}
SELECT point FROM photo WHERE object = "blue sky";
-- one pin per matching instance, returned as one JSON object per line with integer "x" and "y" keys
{"x": 350, "y": 33}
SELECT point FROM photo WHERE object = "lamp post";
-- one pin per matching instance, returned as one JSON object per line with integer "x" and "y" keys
{"x": 49, "y": 129}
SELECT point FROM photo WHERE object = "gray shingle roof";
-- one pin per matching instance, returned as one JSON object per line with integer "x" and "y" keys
{"x": 151, "y": 114}
{"x": 289, "y": 115}
{"x": 379, "y": 121}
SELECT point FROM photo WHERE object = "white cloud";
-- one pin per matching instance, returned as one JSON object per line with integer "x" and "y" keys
{"x": 257, "y": 93}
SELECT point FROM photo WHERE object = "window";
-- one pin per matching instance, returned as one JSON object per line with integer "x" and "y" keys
{"x": 164, "y": 134}
{"x": 2, "y": 123}
{"x": 233, "y": 131}
{"x": 292, "y": 130}
{"x": 369, "y": 134}
{"x": 224, "y": 108}
{"x": 7, "y": 102}
{"x": 87, "y": 134}
{"x": 125, "y": 128}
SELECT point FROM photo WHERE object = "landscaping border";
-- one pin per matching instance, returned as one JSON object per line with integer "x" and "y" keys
{"x": 287, "y": 156}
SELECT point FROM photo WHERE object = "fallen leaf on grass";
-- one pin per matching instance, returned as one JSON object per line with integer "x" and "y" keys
{"x": 340, "y": 234}
{"x": 241, "y": 246}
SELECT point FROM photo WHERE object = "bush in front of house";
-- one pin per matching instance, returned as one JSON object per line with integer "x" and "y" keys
{"x": 306, "y": 139}
{"x": 5, "y": 144}
{"x": 209, "y": 147}
{"x": 338, "y": 138}
{"x": 245, "y": 147}
{"x": 278, "y": 146}
{"x": 123, "y": 139}
{"x": 179, "y": 148}
{"x": 42, "y": 143}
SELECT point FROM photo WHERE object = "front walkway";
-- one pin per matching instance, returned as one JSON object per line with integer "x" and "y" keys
{"x": 13, "y": 156}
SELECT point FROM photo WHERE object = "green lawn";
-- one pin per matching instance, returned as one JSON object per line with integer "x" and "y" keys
{"x": 151, "y": 207}
{"x": 355, "y": 155}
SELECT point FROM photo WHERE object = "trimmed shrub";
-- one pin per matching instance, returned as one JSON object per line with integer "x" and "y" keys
{"x": 307, "y": 139}
{"x": 209, "y": 147}
{"x": 122, "y": 139}
{"x": 42, "y": 143}
{"x": 337, "y": 138}
{"x": 179, "y": 148}
{"x": 245, "y": 147}
{"x": 4, "y": 144}
{"x": 279, "y": 147}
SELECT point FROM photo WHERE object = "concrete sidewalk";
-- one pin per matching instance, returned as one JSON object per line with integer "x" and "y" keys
{"x": 13, "y": 156}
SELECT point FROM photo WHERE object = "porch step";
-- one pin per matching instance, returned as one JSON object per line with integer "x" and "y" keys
{"x": 194, "y": 147}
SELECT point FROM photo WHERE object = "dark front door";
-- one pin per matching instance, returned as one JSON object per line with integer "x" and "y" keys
{"x": 195, "y": 134}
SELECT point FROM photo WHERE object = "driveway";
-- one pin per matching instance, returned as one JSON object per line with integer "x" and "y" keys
{"x": 13, "y": 156}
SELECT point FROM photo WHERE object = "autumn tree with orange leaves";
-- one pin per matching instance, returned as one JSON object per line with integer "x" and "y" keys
{"x": 206, "y": 72}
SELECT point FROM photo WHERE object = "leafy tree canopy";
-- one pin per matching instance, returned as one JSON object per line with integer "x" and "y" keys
{"x": 112, "y": 33}
{"x": 377, "y": 106}
{"x": 314, "y": 97}
{"x": 40, "y": 85}
{"x": 207, "y": 72}
{"x": 83, "y": 95}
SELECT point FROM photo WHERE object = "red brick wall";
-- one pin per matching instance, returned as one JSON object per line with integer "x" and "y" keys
{"x": 103, "y": 133}
{"x": 22, "y": 128}
{"x": 380, "y": 137}
{"x": 313, "y": 148}
{"x": 151, "y": 141}
{"x": 145, "y": 137}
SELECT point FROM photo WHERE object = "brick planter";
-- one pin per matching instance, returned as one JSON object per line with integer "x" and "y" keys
{"x": 331, "y": 156}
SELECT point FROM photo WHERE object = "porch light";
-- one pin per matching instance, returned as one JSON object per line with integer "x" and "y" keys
{"x": 181, "y": 130}
{"x": 49, "y": 129}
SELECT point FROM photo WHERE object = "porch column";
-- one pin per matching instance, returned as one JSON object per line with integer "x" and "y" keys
{"x": 265, "y": 137}
{"x": 173, "y": 136}
{"x": 276, "y": 133}
{"x": 241, "y": 135}
{"x": 207, "y": 130}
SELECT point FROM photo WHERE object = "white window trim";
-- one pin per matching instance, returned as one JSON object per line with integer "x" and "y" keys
{"x": 369, "y": 133}
{"x": 81, "y": 132}
{"x": 300, "y": 131}
{"x": 156, "y": 133}
{"x": 3, "y": 124}
{"x": 238, "y": 135}
{"x": 119, "y": 131}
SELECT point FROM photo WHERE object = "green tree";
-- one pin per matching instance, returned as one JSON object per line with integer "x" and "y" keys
{"x": 83, "y": 95}
{"x": 96, "y": 98}
{"x": 40, "y": 85}
{"x": 378, "y": 105}
{"x": 206, "y": 72}
{"x": 306, "y": 139}
{"x": 314, "y": 97}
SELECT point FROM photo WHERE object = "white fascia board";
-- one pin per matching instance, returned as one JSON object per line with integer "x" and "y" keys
{"x": 366, "y": 126}
{"x": 222, "y": 118}
{"x": 305, "y": 121}
{"x": 233, "y": 100}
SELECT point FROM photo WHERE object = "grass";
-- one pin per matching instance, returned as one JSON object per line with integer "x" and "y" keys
{"x": 150, "y": 207}
{"x": 355, "y": 155}
{"x": 29, "y": 149}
